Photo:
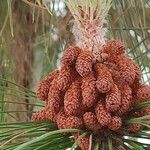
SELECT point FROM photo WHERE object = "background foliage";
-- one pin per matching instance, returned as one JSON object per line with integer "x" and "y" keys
{"x": 33, "y": 34}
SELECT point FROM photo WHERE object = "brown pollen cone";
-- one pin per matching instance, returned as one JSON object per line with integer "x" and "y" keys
{"x": 115, "y": 123}
{"x": 90, "y": 121}
{"x": 50, "y": 114}
{"x": 104, "y": 80}
{"x": 54, "y": 99}
{"x": 70, "y": 55}
{"x": 135, "y": 127}
{"x": 72, "y": 99}
{"x": 39, "y": 116}
{"x": 54, "y": 102}
{"x": 84, "y": 141}
{"x": 95, "y": 92}
{"x": 144, "y": 92}
{"x": 61, "y": 119}
{"x": 137, "y": 70}
{"x": 124, "y": 107}
{"x": 113, "y": 99}
{"x": 64, "y": 79}
{"x": 84, "y": 63}
{"x": 103, "y": 116}
{"x": 54, "y": 92}
{"x": 136, "y": 101}
{"x": 126, "y": 97}
{"x": 113, "y": 48}
{"x": 89, "y": 91}
{"x": 73, "y": 122}
{"x": 126, "y": 69}
{"x": 43, "y": 88}
{"x": 84, "y": 144}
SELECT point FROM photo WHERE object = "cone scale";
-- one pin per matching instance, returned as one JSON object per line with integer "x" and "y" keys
{"x": 97, "y": 85}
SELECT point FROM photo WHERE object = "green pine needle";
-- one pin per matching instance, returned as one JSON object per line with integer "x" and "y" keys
{"x": 42, "y": 137}
{"x": 141, "y": 105}
{"x": 110, "y": 146}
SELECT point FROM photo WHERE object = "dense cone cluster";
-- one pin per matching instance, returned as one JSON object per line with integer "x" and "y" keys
{"x": 92, "y": 95}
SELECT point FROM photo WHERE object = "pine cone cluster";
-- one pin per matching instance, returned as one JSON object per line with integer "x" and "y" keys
{"x": 93, "y": 95}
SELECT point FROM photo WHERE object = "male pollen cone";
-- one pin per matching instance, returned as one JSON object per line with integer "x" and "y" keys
{"x": 84, "y": 141}
{"x": 54, "y": 99}
{"x": 135, "y": 127}
{"x": 64, "y": 79}
{"x": 90, "y": 121}
{"x": 54, "y": 104}
{"x": 39, "y": 116}
{"x": 125, "y": 89}
{"x": 143, "y": 92}
{"x": 104, "y": 80}
{"x": 43, "y": 88}
{"x": 70, "y": 55}
{"x": 136, "y": 101}
{"x": 50, "y": 114}
{"x": 113, "y": 48}
{"x": 137, "y": 71}
{"x": 94, "y": 94}
{"x": 113, "y": 99}
{"x": 84, "y": 63}
{"x": 126, "y": 70}
{"x": 61, "y": 119}
{"x": 115, "y": 124}
{"x": 89, "y": 91}
{"x": 54, "y": 92}
{"x": 103, "y": 116}
{"x": 72, "y": 99}
{"x": 73, "y": 122}
{"x": 124, "y": 107}
{"x": 126, "y": 97}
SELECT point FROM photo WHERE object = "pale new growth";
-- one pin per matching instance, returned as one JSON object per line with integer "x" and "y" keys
{"x": 88, "y": 27}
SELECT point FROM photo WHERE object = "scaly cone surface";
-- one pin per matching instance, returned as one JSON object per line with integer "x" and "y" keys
{"x": 97, "y": 85}
{"x": 85, "y": 101}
